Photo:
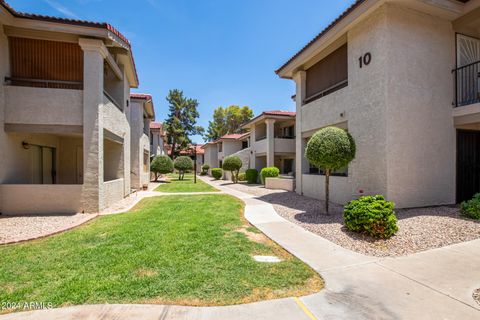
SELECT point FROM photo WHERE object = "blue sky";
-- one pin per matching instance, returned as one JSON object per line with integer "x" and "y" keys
{"x": 220, "y": 52}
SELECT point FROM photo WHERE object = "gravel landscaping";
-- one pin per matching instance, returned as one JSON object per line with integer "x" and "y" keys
{"x": 419, "y": 229}
{"x": 27, "y": 227}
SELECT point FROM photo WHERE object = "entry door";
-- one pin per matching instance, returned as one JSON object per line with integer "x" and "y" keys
{"x": 468, "y": 164}
{"x": 287, "y": 165}
{"x": 43, "y": 165}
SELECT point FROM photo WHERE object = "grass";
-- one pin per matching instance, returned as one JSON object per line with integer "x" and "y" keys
{"x": 171, "y": 250}
{"x": 185, "y": 185}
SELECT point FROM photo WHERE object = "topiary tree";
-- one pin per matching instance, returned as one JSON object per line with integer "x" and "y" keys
{"x": 251, "y": 175}
{"x": 217, "y": 173}
{"x": 161, "y": 165}
{"x": 232, "y": 164}
{"x": 182, "y": 164}
{"x": 269, "y": 172}
{"x": 330, "y": 149}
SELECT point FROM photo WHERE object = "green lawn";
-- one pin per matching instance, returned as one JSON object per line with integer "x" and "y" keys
{"x": 185, "y": 185}
{"x": 170, "y": 249}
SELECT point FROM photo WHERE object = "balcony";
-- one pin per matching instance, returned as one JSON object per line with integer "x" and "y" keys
{"x": 284, "y": 145}
{"x": 467, "y": 90}
{"x": 42, "y": 104}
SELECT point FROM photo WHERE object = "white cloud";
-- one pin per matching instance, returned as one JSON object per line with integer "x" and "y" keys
{"x": 62, "y": 9}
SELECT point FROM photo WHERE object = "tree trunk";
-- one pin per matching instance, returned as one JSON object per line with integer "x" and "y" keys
{"x": 179, "y": 175}
{"x": 327, "y": 186}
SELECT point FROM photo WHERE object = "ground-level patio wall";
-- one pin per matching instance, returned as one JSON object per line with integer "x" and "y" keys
{"x": 113, "y": 191}
{"x": 40, "y": 199}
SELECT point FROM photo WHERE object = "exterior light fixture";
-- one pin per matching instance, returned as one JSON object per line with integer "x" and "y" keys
{"x": 25, "y": 145}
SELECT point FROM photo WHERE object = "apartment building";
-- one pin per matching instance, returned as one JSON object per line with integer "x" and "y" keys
{"x": 142, "y": 113}
{"x": 65, "y": 114}
{"x": 402, "y": 78}
{"x": 157, "y": 139}
{"x": 271, "y": 140}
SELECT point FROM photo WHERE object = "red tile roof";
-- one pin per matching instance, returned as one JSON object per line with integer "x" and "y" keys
{"x": 231, "y": 136}
{"x": 143, "y": 96}
{"x": 279, "y": 113}
{"x": 101, "y": 25}
{"x": 349, "y": 10}
{"x": 156, "y": 125}
{"x": 189, "y": 151}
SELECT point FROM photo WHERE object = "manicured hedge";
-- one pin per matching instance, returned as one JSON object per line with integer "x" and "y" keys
{"x": 232, "y": 164}
{"x": 251, "y": 175}
{"x": 161, "y": 165}
{"x": 372, "y": 215}
{"x": 217, "y": 173}
{"x": 269, "y": 172}
{"x": 241, "y": 176}
{"x": 182, "y": 164}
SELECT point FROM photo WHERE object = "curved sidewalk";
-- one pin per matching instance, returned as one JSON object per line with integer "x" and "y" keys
{"x": 435, "y": 284}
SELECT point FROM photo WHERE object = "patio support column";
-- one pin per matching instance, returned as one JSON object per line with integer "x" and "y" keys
{"x": 270, "y": 142}
{"x": 300, "y": 161}
{"x": 94, "y": 53}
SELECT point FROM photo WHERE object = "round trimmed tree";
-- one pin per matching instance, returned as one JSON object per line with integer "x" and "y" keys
{"x": 182, "y": 164}
{"x": 329, "y": 149}
{"x": 161, "y": 165}
{"x": 232, "y": 164}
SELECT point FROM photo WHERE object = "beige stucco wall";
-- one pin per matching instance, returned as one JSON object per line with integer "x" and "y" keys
{"x": 40, "y": 199}
{"x": 27, "y": 105}
{"x": 420, "y": 150}
{"x": 113, "y": 192}
{"x": 4, "y": 71}
{"x": 284, "y": 145}
{"x": 211, "y": 155}
{"x": 360, "y": 107}
{"x": 280, "y": 183}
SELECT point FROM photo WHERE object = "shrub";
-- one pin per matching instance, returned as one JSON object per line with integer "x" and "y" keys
{"x": 161, "y": 165}
{"x": 232, "y": 164}
{"x": 182, "y": 164}
{"x": 471, "y": 208}
{"x": 329, "y": 149}
{"x": 205, "y": 167}
{"x": 269, "y": 172}
{"x": 241, "y": 176}
{"x": 217, "y": 173}
{"x": 372, "y": 215}
{"x": 251, "y": 175}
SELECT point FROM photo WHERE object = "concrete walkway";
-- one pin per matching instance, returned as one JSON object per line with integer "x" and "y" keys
{"x": 435, "y": 284}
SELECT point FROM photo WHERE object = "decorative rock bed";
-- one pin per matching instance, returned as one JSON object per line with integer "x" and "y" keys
{"x": 419, "y": 229}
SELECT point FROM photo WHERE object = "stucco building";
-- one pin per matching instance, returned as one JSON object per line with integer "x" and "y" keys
{"x": 402, "y": 78}
{"x": 65, "y": 114}
{"x": 271, "y": 140}
{"x": 157, "y": 139}
{"x": 142, "y": 113}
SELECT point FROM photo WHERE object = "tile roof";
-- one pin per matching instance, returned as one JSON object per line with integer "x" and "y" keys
{"x": 279, "y": 113}
{"x": 156, "y": 125}
{"x": 143, "y": 96}
{"x": 349, "y": 10}
{"x": 93, "y": 24}
{"x": 231, "y": 136}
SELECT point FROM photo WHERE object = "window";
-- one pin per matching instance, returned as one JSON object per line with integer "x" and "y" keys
{"x": 342, "y": 172}
{"x": 328, "y": 75}
{"x": 288, "y": 132}
{"x": 244, "y": 144}
{"x": 220, "y": 147}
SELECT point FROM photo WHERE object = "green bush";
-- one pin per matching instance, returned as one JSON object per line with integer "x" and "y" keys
{"x": 372, "y": 215}
{"x": 232, "y": 164}
{"x": 217, "y": 173}
{"x": 251, "y": 175}
{"x": 241, "y": 176}
{"x": 205, "y": 167}
{"x": 182, "y": 164}
{"x": 161, "y": 165}
{"x": 471, "y": 208}
{"x": 269, "y": 172}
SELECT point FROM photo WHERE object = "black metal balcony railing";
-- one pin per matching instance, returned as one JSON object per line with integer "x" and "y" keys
{"x": 43, "y": 83}
{"x": 467, "y": 90}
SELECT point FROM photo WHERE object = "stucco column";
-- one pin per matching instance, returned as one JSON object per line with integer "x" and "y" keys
{"x": 300, "y": 161}
{"x": 93, "y": 59}
{"x": 270, "y": 142}
{"x": 127, "y": 137}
